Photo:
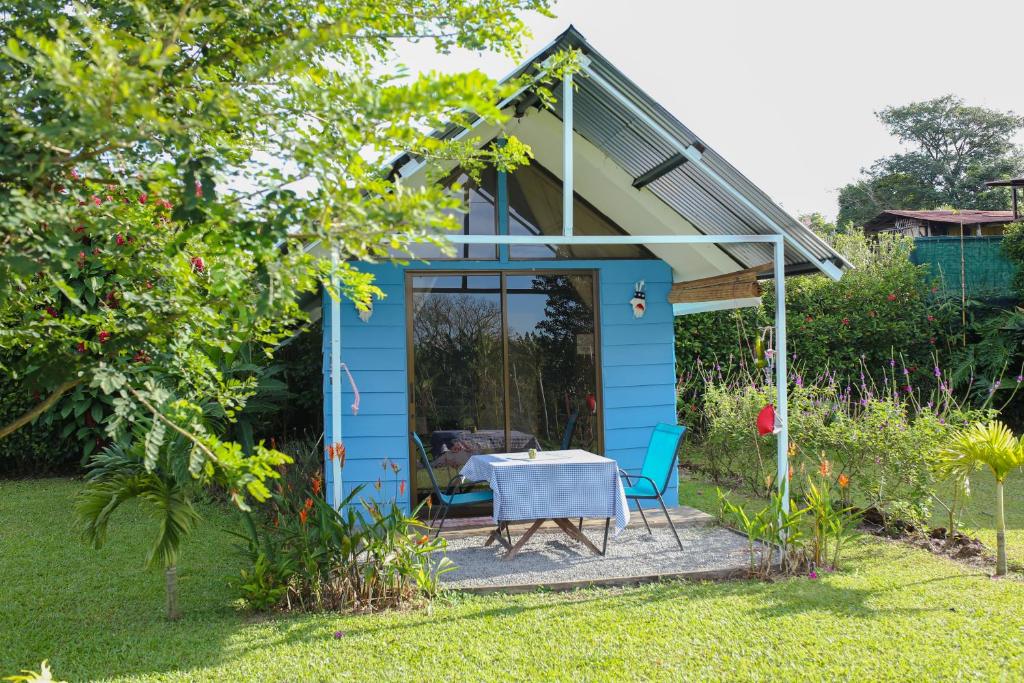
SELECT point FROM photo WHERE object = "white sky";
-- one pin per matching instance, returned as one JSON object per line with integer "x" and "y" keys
{"x": 786, "y": 90}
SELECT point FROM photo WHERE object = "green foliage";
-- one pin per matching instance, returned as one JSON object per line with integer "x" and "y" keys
{"x": 953, "y": 149}
{"x": 38, "y": 449}
{"x": 882, "y": 306}
{"x": 1013, "y": 249}
{"x": 307, "y": 555}
{"x": 879, "y": 441}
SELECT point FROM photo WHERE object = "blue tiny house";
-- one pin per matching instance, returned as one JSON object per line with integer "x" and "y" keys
{"x": 546, "y": 330}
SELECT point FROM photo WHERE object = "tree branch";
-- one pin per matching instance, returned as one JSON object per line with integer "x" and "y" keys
{"x": 167, "y": 421}
{"x": 39, "y": 409}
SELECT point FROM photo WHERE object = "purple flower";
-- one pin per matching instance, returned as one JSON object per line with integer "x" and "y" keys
{"x": 799, "y": 381}
{"x": 906, "y": 372}
{"x": 338, "y": 635}
{"x": 938, "y": 373}
{"x": 1019, "y": 378}
{"x": 812, "y": 574}
{"x": 892, "y": 362}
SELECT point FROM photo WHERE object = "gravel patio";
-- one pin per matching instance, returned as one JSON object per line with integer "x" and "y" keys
{"x": 554, "y": 561}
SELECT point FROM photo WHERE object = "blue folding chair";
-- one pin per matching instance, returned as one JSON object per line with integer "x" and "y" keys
{"x": 656, "y": 473}
{"x": 448, "y": 498}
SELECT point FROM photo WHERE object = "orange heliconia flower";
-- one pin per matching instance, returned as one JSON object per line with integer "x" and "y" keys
{"x": 302, "y": 516}
{"x": 316, "y": 484}
{"x": 844, "y": 481}
{"x": 309, "y": 504}
{"x": 422, "y": 539}
{"x": 790, "y": 477}
{"x": 401, "y": 488}
{"x": 824, "y": 468}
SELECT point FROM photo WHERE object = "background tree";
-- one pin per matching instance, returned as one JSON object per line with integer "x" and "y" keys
{"x": 953, "y": 149}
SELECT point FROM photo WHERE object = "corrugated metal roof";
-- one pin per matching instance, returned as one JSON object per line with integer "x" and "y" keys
{"x": 637, "y": 148}
{"x": 633, "y": 145}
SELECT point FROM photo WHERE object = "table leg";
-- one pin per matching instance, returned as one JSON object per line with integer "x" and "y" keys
{"x": 496, "y": 536}
{"x": 523, "y": 539}
{"x": 570, "y": 530}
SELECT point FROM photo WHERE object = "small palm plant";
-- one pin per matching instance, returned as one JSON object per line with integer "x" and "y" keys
{"x": 991, "y": 445}
{"x": 117, "y": 475}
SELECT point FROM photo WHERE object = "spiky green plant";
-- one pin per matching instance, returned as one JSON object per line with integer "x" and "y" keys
{"x": 991, "y": 445}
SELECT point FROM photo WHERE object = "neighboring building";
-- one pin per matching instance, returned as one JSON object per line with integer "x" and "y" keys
{"x": 941, "y": 223}
{"x": 549, "y": 341}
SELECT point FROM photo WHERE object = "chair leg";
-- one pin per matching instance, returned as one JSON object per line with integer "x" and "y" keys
{"x": 644, "y": 517}
{"x": 670, "y": 524}
{"x": 441, "y": 525}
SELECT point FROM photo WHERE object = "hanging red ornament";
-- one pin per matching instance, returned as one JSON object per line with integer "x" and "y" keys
{"x": 766, "y": 420}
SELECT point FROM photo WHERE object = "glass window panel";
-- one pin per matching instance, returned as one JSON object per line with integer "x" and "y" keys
{"x": 535, "y": 208}
{"x": 479, "y": 218}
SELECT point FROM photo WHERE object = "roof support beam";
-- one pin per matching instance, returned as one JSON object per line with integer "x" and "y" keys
{"x": 567, "y": 127}
{"x": 670, "y": 164}
{"x": 694, "y": 155}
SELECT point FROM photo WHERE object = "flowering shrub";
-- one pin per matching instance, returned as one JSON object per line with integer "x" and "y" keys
{"x": 879, "y": 440}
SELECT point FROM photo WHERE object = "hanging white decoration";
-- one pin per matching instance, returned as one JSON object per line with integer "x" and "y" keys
{"x": 639, "y": 300}
{"x": 367, "y": 314}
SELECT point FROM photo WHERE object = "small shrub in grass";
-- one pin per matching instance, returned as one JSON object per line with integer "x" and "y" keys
{"x": 307, "y": 555}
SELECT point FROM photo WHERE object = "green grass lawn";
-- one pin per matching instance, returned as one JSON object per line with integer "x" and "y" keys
{"x": 895, "y": 613}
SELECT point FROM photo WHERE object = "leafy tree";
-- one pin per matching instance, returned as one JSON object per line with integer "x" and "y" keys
{"x": 953, "y": 149}
{"x": 163, "y": 169}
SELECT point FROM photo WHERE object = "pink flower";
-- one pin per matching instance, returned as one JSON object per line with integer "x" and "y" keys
{"x": 812, "y": 574}
{"x": 892, "y": 297}
{"x": 143, "y": 198}
{"x": 846, "y": 321}
{"x": 96, "y": 200}
{"x": 199, "y": 189}
{"x": 119, "y": 239}
{"x": 198, "y": 264}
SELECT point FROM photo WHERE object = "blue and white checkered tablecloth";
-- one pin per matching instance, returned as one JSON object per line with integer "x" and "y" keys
{"x": 557, "y": 484}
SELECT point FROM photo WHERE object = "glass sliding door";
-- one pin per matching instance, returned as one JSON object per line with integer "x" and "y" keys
{"x": 458, "y": 385}
{"x": 501, "y": 362}
{"x": 552, "y": 375}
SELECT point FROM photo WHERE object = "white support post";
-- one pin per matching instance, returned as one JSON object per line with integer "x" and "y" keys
{"x": 336, "y": 484}
{"x": 781, "y": 373}
{"x": 567, "y": 126}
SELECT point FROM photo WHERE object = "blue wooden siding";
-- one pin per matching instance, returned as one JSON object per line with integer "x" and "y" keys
{"x": 637, "y": 374}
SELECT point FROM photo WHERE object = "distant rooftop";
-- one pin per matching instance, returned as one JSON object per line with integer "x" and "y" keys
{"x": 957, "y": 217}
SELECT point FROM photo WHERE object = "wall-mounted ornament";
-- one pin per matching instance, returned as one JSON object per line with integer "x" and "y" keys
{"x": 639, "y": 300}
{"x": 365, "y": 315}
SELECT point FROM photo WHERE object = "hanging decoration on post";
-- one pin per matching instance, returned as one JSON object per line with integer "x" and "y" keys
{"x": 639, "y": 300}
{"x": 766, "y": 423}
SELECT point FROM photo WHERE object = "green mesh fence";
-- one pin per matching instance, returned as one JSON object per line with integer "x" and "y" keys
{"x": 988, "y": 273}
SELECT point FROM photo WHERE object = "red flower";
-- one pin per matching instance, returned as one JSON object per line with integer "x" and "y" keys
{"x": 143, "y": 198}
{"x": 931, "y": 318}
{"x": 846, "y": 321}
{"x": 199, "y": 189}
{"x": 932, "y": 341}
{"x": 303, "y": 515}
{"x": 316, "y": 484}
{"x": 80, "y": 347}
{"x": 103, "y": 337}
{"x": 401, "y": 488}
{"x": 78, "y": 228}
{"x": 111, "y": 299}
{"x": 309, "y": 504}
{"x": 96, "y": 251}
{"x": 809, "y": 319}
{"x": 52, "y": 311}
{"x": 81, "y": 257}
{"x": 96, "y": 200}
{"x": 119, "y": 239}
{"x": 892, "y": 297}
{"x": 163, "y": 203}
{"x": 74, "y": 174}
{"x": 140, "y": 357}
{"x": 197, "y": 264}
